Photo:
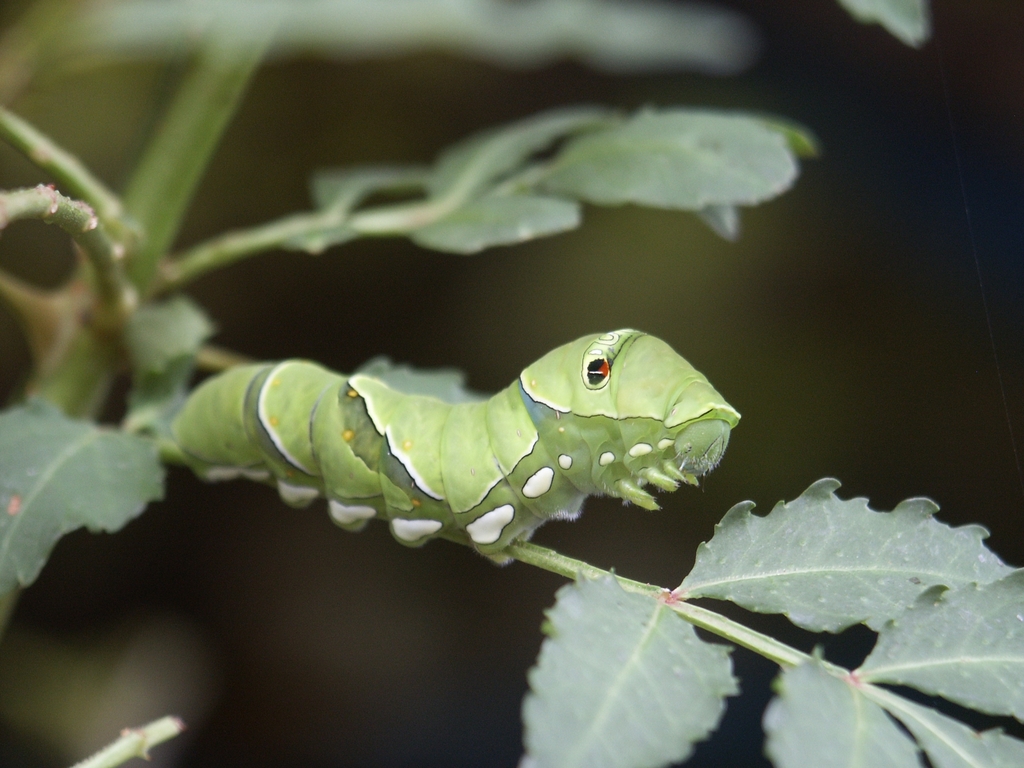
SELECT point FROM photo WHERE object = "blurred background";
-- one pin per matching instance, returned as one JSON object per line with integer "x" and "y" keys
{"x": 869, "y": 325}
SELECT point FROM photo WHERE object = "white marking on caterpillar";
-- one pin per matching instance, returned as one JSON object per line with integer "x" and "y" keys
{"x": 606, "y": 458}
{"x": 487, "y": 528}
{"x": 406, "y": 460}
{"x": 640, "y": 449}
{"x": 539, "y": 483}
{"x": 258, "y": 475}
{"x": 664, "y": 443}
{"x": 411, "y": 530}
{"x": 266, "y": 420}
{"x": 354, "y": 384}
{"x": 530, "y": 388}
{"x": 489, "y": 488}
{"x": 217, "y": 474}
{"x": 296, "y": 494}
{"x": 346, "y": 514}
{"x": 565, "y": 461}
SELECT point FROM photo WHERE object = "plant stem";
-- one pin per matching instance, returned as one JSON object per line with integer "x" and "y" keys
{"x": 715, "y": 623}
{"x": 71, "y": 175}
{"x": 214, "y": 358}
{"x": 223, "y": 250}
{"x": 81, "y": 381}
{"x": 117, "y": 297}
{"x": 177, "y": 155}
{"x": 7, "y": 604}
{"x": 228, "y": 248}
{"x": 134, "y": 742}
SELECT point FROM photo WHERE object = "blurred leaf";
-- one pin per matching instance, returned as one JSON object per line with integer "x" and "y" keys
{"x": 676, "y": 158}
{"x": 951, "y": 744}
{"x": 801, "y": 139}
{"x": 724, "y": 220}
{"x": 343, "y": 189}
{"x": 828, "y": 563}
{"x": 609, "y": 34}
{"x": 58, "y": 474}
{"x": 446, "y": 384}
{"x": 819, "y": 721}
{"x": 966, "y": 645}
{"x": 163, "y": 340}
{"x": 621, "y": 681}
{"x": 498, "y": 220}
{"x": 907, "y": 20}
{"x": 155, "y": 398}
{"x": 471, "y": 166}
{"x": 158, "y": 334}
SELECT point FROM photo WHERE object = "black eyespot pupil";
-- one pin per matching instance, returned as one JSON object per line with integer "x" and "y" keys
{"x": 597, "y": 370}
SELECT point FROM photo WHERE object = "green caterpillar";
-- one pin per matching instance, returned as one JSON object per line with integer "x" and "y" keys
{"x": 601, "y": 415}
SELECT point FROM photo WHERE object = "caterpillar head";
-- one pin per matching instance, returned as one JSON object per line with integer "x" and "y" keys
{"x": 674, "y": 424}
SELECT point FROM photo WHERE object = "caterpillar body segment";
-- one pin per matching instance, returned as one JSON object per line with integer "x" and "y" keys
{"x": 605, "y": 414}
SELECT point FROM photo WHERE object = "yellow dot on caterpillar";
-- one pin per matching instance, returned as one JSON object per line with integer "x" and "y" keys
{"x": 606, "y": 458}
{"x": 407, "y": 445}
{"x": 274, "y": 421}
{"x": 417, "y": 503}
{"x": 353, "y": 393}
{"x": 347, "y": 435}
{"x": 664, "y": 443}
{"x": 640, "y": 449}
{"x": 561, "y": 429}
{"x": 275, "y": 383}
{"x": 533, "y": 382}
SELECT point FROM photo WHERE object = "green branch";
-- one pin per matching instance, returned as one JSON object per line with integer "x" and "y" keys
{"x": 69, "y": 172}
{"x": 117, "y": 297}
{"x": 134, "y": 742}
{"x": 715, "y": 623}
{"x": 213, "y": 358}
{"x": 174, "y": 160}
{"x": 218, "y": 252}
{"x": 233, "y": 246}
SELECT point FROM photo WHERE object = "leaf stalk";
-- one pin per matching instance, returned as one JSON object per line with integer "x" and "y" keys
{"x": 723, "y": 627}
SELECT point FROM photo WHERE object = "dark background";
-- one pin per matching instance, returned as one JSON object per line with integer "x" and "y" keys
{"x": 869, "y": 325}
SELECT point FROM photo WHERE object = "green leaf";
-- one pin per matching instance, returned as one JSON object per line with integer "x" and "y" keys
{"x": 907, "y": 20}
{"x": 344, "y": 188}
{"x": 446, "y": 384}
{"x": 724, "y": 220}
{"x": 473, "y": 165}
{"x": 819, "y": 721}
{"x": 155, "y": 398}
{"x": 622, "y": 681}
{"x": 966, "y": 645}
{"x": 58, "y": 474}
{"x": 951, "y": 744}
{"x": 163, "y": 340}
{"x": 158, "y": 334}
{"x": 688, "y": 159}
{"x": 498, "y": 220}
{"x": 828, "y": 563}
{"x": 616, "y": 36}
{"x": 800, "y": 138}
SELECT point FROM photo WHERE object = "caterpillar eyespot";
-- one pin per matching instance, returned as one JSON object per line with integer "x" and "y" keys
{"x": 598, "y": 371}
{"x": 485, "y": 472}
